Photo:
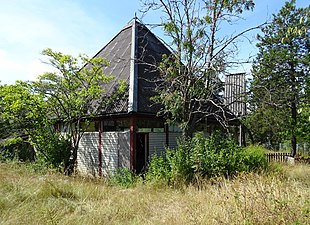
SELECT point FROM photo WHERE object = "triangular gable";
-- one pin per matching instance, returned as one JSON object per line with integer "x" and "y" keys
{"x": 118, "y": 53}
{"x": 134, "y": 54}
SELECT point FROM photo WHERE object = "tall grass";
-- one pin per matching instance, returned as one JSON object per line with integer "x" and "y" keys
{"x": 30, "y": 198}
{"x": 203, "y": 158}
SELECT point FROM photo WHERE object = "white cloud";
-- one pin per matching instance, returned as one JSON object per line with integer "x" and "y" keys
{"x": 35, "y": 68}
{"x": 8, "y": 68}
{"x": 2, "y": 53}
{"x": 25, "y": 29}
{"x": 12, "y": 70}
{"x": 29, "y": 26}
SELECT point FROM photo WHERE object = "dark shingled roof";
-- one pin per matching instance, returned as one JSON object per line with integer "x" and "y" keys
{"x": 148, "y": 53}
{"x": 134, "y": 54}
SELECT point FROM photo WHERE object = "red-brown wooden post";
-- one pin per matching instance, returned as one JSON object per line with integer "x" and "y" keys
{"x": 167, "y": 134}
{"x": 99, "y": 151}
{"x": 132, "y": 128}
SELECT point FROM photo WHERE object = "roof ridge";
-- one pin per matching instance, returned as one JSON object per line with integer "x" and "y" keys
{"x": 115, "y": 36}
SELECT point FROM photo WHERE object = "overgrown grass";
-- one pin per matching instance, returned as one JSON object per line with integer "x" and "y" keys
{"x": 204, "y": 157}
{"x": 281, "y": 197}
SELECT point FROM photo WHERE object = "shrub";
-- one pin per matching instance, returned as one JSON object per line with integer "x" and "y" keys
{"x": 123, "y": 177}
{"x": 53, "y": 148}
{"x": 254, "y": 158}
{"x": 204, "y": 157}
{"x": 16, "y": 148}
{"x": 159, "y": 169}
{"x": 45, "y": 149}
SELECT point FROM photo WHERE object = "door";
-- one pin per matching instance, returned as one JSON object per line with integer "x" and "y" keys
{"x": 141, "y": 152}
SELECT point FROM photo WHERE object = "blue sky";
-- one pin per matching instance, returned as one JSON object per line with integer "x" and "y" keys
{"x": 81, "y": 26}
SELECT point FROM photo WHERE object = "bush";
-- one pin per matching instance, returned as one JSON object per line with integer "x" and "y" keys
{"x": 123, "y": 177}
{"x": 159, "y": 169}
{"x": 254, "y": 158}
{"x": 53, "y": 148}
{"x": 16, "y": 148}
{"x": 45, "y": 149}
{"x": 204, "y": 157}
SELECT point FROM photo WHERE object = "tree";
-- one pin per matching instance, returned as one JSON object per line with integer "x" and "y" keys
{"x": 266, "y": 126}
{"x": 189, "y": 82}
{"x": 303, "y": 123}
{"x": 281, "y": 70}
{"x": 74, "y": 94}
{"x": 24, "y": 123}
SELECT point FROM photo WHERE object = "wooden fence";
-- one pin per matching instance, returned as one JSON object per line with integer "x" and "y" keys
{"x": 277, "y": 156}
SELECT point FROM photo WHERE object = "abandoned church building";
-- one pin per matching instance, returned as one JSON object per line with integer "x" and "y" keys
{"x": 129, "y": 132}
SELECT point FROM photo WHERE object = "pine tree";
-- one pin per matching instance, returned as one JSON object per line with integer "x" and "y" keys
{"x": 281, "y": 70}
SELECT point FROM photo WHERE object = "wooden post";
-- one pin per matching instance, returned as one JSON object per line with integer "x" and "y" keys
{"x": 240, "y": 135}
{"x": 100, "y": 151}
{"x": 167, "y": 134}
{"x": 132, "y": 128}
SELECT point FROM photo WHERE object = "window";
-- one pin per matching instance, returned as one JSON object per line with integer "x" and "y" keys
{"x": 145, "y": 125}
{"x": 115, "y": 125}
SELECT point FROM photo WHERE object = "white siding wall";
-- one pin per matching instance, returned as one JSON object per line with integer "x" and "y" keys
{"x": 109, "y": 152}
{"x": 87, "y": 158}
{"x": 173, "y": 136}
{"x": 115, "y": 152}
{"x": 124, "y": 150}
{"x": 157, "y": 143}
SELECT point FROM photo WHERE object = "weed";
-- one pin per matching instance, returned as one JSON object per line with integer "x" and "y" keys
{"x": 123, "y": 177}
{"x": 205, "y": 157}
{"x": 249, "y": 198}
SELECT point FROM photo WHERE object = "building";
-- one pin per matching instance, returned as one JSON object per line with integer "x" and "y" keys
{"x": 129, "y": 132}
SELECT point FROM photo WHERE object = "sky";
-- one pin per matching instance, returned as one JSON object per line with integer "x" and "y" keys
{"x": 85, "y": 26}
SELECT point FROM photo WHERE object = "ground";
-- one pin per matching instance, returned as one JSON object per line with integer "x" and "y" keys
{"x": 28, "y": 197}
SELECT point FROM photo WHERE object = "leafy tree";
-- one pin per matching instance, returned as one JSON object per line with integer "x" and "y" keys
{"x": 74, "y": 94}
{"x": 24, "y": 124}
{"x": 266, "y": 126}
{"x": 281, "y": 71}
{"x": 68, "y": 97}
{"x": 303, "y": 123}
{"x": 190, "y": 78}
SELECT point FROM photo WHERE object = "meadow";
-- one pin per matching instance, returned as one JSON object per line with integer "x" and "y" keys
{"x": 281, "y": 196}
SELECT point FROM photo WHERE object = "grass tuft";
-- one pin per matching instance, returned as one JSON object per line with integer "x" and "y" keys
{"x": 280, "y": 197}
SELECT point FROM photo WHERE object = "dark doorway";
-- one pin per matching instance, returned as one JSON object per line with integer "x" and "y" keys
{"x": 141, "y": 152}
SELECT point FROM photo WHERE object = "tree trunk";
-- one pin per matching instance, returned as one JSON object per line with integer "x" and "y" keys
{"x": 293, "y": 108}
{"x": 294, "y": 123}
{"x": 250, "y": 136}
{"x": 69, "y": 169}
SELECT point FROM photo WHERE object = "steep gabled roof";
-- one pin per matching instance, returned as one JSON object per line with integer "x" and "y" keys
{"x": 134, "y": 54}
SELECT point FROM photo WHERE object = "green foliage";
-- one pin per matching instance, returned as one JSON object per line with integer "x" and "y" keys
{"x": 189, "y": 77}
{"x": 303, "y": 125}
{"x": 16, "y": 148}
{"x": 74, "y": 94}
{"x": 41, "y": 165}
{"x": 268, "y": 126}
{"x": 22, "y": 114}
{"x": 204, "y": 157}
{"x": 71, "y": 96}
{"x": 159, "y": 169}
{"x": 54, "y": 148}
{"x": 20, "y": 106}
{"x": 254, "y": 158}
{"x": 281, "y": 77}
{"x": 123, "y": 177}
{"x": 28, "y": 125}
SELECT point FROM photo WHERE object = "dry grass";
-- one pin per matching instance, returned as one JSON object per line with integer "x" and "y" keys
{"x": 28, "y": 198}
